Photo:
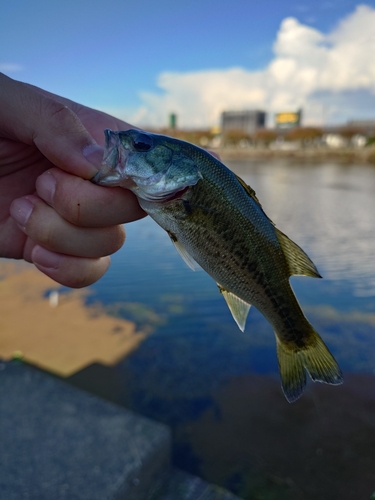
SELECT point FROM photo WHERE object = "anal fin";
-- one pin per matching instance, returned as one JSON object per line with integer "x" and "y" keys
{"x": 238, "y": 307}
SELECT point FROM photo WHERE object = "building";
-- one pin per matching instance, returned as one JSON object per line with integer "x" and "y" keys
{"x": 288, "y": 119}
{"x": 246, "y": 121}
{"x": 172, "y": 121}
{"x": 366, "y": 126}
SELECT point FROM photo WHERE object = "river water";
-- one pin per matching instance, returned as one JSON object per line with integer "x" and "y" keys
{"x": 218, "y": 388}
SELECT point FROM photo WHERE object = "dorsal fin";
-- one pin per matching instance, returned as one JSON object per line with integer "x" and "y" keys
{"x": 298, "y": 262}
{"x": 250, "y": 191}
{"x": 238, "y": 307}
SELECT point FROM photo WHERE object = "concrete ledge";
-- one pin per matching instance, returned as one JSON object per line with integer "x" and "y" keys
{"x": 60, "y": 442}
{"x": 183, "y": 486}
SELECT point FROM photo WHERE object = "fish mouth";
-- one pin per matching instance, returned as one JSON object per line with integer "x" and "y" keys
{"x": 160, "y": 198}
{"x": 107, "y": 178}
{"x": 112, "y": 172}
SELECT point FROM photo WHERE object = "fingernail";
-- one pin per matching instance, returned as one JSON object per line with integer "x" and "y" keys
{"x": 94, "y": 154}
{"x": 45, "y": 259}
{"x": 46, "y": 186}
{"x": 21, "y": 210}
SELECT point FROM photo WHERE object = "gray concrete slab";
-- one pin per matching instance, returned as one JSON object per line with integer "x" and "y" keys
{"x": 58, "y": 442}
{"x": 183, "y": 486}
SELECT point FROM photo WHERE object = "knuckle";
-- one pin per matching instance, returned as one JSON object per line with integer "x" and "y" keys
{"x": 89, "y": 271}
{"x": 118, "y": 238}
{"x": 80, "y": 281}
{"x": 46, "y": 237}
{"x": 75, "y": 207}
{"x": 72, "y": 212}
{"x": 72, "y": 200}
{"x": 40, "y": 227}
{"x": 106, "y": 241}
{"x": 59, "y": 115}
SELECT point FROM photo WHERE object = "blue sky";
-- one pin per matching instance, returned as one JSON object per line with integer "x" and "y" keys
{"x": 131, "y": 57}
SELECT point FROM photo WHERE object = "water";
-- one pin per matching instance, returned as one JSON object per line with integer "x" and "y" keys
{"x": 218, "y": 388}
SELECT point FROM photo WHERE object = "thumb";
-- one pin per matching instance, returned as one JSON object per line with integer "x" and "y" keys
{"x": 50, "y": 125}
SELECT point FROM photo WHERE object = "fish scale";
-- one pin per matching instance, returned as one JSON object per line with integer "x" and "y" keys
{"x": 215, "y": 219}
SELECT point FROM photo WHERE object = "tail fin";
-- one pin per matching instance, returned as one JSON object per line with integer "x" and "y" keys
{"x": 314, "y": 358}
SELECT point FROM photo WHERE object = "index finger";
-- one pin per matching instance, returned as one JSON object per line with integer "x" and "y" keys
{"x": 85, "y": 204}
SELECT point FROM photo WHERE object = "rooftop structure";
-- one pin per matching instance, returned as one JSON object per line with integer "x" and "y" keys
{"x": 246, "y": 121}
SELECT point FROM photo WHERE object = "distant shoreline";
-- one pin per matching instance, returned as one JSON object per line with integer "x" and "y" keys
{"x": 344, "y": 155}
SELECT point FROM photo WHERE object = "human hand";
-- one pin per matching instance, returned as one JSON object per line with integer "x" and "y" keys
{"x": 50, "y": 213}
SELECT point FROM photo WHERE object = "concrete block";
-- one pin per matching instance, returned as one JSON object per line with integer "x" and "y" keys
{"x": 58, "y": 442}
{"x": 183, "y": 486}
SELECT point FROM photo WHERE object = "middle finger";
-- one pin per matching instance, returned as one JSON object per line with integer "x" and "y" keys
{"x": 47, "y": 228}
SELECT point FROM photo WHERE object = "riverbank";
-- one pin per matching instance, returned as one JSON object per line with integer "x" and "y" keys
{"x": 342, "y": 155}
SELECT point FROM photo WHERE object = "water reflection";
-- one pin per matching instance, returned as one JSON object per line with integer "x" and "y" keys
{"x": 218, "y": 387}
{"x": 328, "y": 209}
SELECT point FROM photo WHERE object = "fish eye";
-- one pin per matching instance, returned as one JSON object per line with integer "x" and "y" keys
{"x": 142, "y": 143}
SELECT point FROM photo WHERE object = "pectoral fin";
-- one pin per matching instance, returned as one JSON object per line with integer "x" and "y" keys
{"x": 183, "y": 252}
{"x": 299, "y": 263}
{"x": 238, "y": 307}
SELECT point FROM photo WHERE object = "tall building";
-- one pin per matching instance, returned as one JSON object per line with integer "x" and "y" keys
{"x": 172, "y": 121}
{"x": 246, "y": 121}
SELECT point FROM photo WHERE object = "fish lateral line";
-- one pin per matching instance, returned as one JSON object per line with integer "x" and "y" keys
{"x": 189, "y": 207}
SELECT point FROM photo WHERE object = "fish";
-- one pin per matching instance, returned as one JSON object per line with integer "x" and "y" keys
{"x": 216, "y": 221}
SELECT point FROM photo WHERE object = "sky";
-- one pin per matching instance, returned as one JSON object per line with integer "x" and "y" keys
{"x": 144, "y": 59}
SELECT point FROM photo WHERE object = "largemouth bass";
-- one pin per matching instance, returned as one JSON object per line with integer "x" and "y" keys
{"x": 215, "y": 220}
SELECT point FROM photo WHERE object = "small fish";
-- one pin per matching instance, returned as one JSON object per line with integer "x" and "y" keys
{"x": 215, "y": 220}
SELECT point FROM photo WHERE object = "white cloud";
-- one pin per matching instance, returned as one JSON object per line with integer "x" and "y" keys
{"x": 331, "y": 76}
{"x": 10, "y": 67}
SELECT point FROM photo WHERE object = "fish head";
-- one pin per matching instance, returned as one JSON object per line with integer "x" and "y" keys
{"x": 154, "y": 167}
